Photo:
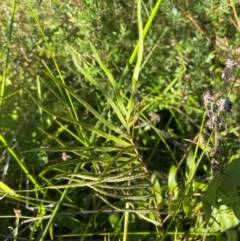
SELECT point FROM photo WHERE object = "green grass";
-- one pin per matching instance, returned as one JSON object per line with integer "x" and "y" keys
{"x": 102, "y": 120}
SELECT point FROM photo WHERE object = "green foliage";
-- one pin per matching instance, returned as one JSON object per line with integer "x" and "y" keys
{"x": 102, "y": 119}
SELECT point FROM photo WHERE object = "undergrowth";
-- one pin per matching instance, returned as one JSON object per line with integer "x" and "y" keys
{"x": 119, "y": 120}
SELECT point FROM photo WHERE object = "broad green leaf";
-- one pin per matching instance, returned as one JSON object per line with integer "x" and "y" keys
{"x": 211, "y": 191}
{"x": 190, "y": 164}
{"x": 207, "y": 208}
{"x": 232, "y": 235}
{"x": 222, "y": 219}
{"x": 230, "y": 177}
{"x": 187, "y": 202}
{"x": 115, "y": 222}
{"x": 172, "y": 183}
{"x": 157, "y": 188}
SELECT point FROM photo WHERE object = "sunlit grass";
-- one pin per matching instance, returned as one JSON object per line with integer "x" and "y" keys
{"x": 103, "y": 119}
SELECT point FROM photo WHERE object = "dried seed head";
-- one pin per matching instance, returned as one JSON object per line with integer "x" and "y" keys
{"x": 210, "y": 124}
{"x": 212, "y": 116}
{"x": 155, "y": 117}
{"x": 219, "y": 123}
{"x": 215, "y": 122}
{"x": 207, "y": 96}
{"x": 230, "y": 63}
{"x": 224, "y": 105}
{"x": 227, "y": 74}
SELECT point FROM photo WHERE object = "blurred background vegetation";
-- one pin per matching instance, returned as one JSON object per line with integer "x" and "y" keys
{"x": 181, "y": 59}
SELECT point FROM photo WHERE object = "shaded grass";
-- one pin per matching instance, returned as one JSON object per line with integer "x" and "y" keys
{"x": 109, "y": 152}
